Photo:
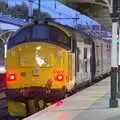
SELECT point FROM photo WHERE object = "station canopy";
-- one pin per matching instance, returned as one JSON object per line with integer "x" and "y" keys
{"x": 98, "y": 10}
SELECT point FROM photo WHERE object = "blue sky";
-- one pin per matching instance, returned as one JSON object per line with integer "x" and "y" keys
{"x": 60, "y": 11}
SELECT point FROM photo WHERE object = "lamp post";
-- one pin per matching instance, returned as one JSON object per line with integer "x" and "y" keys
{"x": 118, "y": 95}
{"x": 114, "y": 67}
{"x": 118, "y": 10}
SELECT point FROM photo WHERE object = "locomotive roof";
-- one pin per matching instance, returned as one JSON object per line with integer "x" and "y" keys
{"x": 84, "y": 36}
{"x": 77, "y": 35}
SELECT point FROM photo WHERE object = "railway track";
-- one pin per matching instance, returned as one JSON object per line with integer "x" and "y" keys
{"x": 3, "y": 105}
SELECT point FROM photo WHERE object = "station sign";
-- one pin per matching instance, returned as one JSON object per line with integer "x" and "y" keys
{"x": 117, "y": 41}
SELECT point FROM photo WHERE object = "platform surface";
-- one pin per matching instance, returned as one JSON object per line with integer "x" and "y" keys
{"x": 89, "y": 104}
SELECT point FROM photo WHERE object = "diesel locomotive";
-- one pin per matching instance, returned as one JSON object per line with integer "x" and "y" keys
{"x": 46, "y": 60}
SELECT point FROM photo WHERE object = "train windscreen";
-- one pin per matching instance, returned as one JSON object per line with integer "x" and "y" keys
{"x": 40, "y": 32}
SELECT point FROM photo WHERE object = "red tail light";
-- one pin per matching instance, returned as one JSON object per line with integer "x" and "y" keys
{"x": 60, "y": 77}
{"x": 11, "y": 77}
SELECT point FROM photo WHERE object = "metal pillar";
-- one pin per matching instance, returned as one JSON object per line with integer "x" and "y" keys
{"x": 113, "y": 101}
{"x": 5, "y": 53}
{"x": 30, "y": 11}
{"x": 118, "y": 95}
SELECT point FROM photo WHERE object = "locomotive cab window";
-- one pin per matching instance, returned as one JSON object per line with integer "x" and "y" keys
{"x": 41, "y": 32}
{"x": 51, "y": 34}
{"x": 22, "y": 36}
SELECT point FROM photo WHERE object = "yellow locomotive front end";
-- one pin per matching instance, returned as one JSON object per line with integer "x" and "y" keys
{"x": 39, "y": 67}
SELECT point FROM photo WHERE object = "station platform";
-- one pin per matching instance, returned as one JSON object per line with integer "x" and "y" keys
{"x": 91, "y": 103}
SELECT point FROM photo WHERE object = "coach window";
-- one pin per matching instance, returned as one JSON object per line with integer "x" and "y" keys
{"x": 85, "y": 53}
{"x": 85, "y": 66}
{"x": 77, "y": 61}
{"x": 85, "y": 57}
{"x": 97, "y": 54}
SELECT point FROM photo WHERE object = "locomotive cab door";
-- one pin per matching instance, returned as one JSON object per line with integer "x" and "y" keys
{"x": 72, "y": 65}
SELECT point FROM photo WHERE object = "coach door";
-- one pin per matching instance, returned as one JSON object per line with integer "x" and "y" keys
{"x": 87, "y": 62}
